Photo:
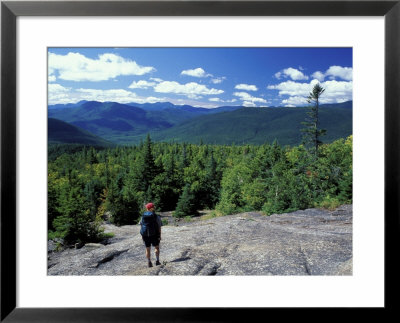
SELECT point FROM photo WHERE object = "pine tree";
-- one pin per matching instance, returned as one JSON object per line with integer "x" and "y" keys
{"x": 166, "y": 185}
{"x": 91, "y": 192}
{"x": 212, "y": 183}
{"x": 186, "y": 205}
{"x": 53, "y": 203}
{"x": 149, "y": 170}
{"x": 114, "y": 199}
{"x": 312, "y": 132}
{"x": 122, "y": 201}
{"x": 107, "y": 172}
{"x": 75, "y": 224}
{"x": 92, "y": 159}
{"x": 184, "y": 160}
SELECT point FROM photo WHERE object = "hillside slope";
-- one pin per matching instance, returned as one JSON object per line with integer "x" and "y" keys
{"x": 258, "y": 125}
{"x": 60, "y": 132}
{"x": 112, "y": 121}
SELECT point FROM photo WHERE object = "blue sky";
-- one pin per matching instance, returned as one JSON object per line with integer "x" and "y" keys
{"x": 204, "y": 77}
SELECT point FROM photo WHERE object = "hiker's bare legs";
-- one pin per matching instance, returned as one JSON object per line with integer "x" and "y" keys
{"x": 148, "y": 253}
{"x": 157, "y": 252}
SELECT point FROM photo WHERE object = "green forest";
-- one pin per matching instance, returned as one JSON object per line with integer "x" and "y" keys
{"x": 84, "y": 183}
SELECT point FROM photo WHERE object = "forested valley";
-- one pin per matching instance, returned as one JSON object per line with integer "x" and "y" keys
{"x": 87, "y": 183}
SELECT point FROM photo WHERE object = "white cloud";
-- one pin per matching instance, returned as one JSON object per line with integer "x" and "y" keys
{"x": 291, "y": 72}
{"x": 77, "y": 67}
{"x": 318, "y": 75}
{"x": 54, "y": 87}
{"x": 197, "y": 72}
{"x": 246, "y": 87}
{"x": 156, "y": 79}
{"x": 141, "y": 84}
{"x": 294, "y": 101}
{"x": 149, "y": 99}
{"x": 333, "y": 72}
{"x": 335, "y": 91}
{"x": 292, "y": 88}
{"x": 57, "y": 94}
{"x": 218, "y": 80}
{"x": 295, "y": 74}
{"x": 193, "y": 103}
{"x": 249, "y": 104}
{"x": 222, "y": 101}
{"x": 191, "y": 90}
{"x": 52, "y": 78}
{"x": 248, "y": 100}
{"x": 113, "y": 95}
{"x": 345, "y": 73}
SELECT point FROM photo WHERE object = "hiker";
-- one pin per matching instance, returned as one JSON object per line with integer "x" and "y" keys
{"x": 151, "y": 232}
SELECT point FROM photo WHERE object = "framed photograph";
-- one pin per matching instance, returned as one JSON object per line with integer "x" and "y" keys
{"x": 64, "y": 62}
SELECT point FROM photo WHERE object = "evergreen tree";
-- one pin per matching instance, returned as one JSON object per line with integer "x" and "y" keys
{"x": 234, "y": 178}
{"x": 184, "y": 160}
{"x": 75, "y": 224}
{"x": 131, "y": 200}
{"x": 312, "y": 132}
{"x": 148, "y": 169}
{"x": 52, "y": 201}
{"x": 122, "y": 201}
{"x": 107, "y": 172}
{"x": 114, "y": 198}
{"x": 91, "y": 193}
{"x": 148, "y": 196}
{"x": 166, "y": 185}
{"x": 186, "y": 205}
{"x": 92, "y": 159}
{"x": 212, "y": 183}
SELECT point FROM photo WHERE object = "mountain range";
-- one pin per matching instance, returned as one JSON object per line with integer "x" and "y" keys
{"x": 129, "y": 123}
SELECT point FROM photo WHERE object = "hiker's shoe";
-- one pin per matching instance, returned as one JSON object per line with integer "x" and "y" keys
{"x": 158, "y": 263}
{"x": 150, "y": 264}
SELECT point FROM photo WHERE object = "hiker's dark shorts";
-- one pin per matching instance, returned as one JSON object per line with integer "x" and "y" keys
{"x": 154, "y": 240}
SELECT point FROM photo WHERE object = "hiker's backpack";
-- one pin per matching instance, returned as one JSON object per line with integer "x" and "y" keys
{"x": 149, "y": 224}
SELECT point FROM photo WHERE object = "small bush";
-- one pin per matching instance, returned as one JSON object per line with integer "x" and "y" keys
{"x": 52, "y": 235}
{"x": 107, "y": 235}
{"x": 188, "y": 218}
{"x": 59, "y": 247}
{"x": 329, "y": 203}
{"x": 268, "y": 208}
{"x": 211, "y": 215}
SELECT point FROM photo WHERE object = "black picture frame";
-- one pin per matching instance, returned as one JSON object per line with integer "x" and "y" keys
{"x": 10, "y": 10}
